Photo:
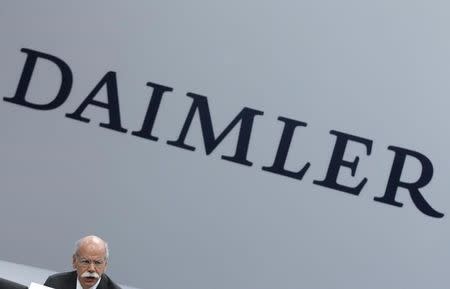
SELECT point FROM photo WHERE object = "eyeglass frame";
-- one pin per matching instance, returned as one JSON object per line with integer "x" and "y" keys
{"x": 85, "y": 263}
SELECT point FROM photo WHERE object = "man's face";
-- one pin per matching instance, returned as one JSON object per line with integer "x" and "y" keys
{"x": 90, "y": 263}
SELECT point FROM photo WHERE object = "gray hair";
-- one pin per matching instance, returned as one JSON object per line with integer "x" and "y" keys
{"x": 80, "y": 242}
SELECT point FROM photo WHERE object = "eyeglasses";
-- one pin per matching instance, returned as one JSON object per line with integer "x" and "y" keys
{"x": 86, "y": 263}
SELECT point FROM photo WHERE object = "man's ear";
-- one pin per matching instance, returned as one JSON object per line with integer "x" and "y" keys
{"x": 74, "y": 260}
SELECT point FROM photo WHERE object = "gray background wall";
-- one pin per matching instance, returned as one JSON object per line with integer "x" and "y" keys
{"x": 181, "y": 219}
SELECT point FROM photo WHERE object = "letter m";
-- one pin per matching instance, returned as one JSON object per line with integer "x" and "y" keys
{"x": 245, "y": 118}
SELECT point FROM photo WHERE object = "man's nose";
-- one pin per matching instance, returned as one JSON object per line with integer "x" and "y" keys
{"x": 91, "y": 267}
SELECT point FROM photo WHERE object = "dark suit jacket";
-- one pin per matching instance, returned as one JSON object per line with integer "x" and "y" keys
{"x": 6, "y": 284}
{"x": 68, "y": 280}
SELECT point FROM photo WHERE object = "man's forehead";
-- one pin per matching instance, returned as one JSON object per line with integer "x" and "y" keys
{"x": 92, "y": 250}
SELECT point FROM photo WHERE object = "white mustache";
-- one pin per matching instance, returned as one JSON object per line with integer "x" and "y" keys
{"x": 89, "y": 274}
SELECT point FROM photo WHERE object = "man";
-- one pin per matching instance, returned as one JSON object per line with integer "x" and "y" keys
{"x": 6, "y": 284}
{"x": 89, "y": 261}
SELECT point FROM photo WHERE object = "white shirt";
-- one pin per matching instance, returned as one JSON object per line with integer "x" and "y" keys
{"x": 93, "y": 287}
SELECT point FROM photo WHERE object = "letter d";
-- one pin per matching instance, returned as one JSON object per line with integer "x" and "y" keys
{"x": 64, "y": 90}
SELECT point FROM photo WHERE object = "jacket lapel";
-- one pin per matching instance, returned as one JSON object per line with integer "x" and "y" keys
{"x": 103, "y": 282}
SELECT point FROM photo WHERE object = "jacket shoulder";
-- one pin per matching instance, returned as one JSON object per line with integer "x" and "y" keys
{"x": 61, "y": 279}
{"x": 108, "y": 283}
{"x": 7, "y": 284}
